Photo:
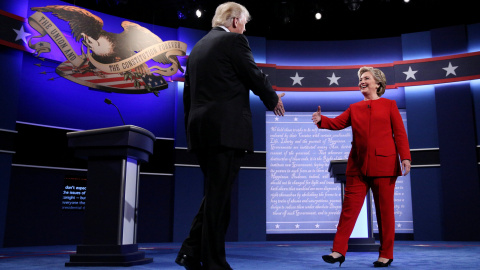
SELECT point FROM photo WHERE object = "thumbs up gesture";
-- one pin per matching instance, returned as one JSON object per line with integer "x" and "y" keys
{"x": 317, "y": 116}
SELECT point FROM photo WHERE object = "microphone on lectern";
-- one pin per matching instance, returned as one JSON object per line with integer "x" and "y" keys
{"x": 108, "y": 101}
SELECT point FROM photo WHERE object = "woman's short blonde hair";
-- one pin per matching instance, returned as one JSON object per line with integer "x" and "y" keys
{"x": 225, "y": 13}
{"x": 379, "y": 78}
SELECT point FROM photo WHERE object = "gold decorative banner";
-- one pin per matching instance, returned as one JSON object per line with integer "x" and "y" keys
{"x": 167, "y": 48}
{"x": 45, "y": 26}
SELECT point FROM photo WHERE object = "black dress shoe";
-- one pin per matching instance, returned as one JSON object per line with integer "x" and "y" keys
{"x": 189, "y": 262}
{"x": 382, "y": 264}
{"x": 331, "y": 259}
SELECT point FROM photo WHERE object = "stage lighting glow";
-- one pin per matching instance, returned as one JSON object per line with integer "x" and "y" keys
{"x": 198, "y": 13}
{"x": 180, "y": 15}
{"x": 318, "y": 16}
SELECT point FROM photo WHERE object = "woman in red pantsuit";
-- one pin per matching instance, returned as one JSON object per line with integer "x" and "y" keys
{"x": 379, "y": 138}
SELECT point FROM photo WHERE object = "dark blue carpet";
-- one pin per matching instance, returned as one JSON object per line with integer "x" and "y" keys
{"x": 267, "y": 255}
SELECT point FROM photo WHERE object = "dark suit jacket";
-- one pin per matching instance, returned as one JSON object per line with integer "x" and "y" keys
{"x": 220, "y": 72}
{"x": 379, "y": 137}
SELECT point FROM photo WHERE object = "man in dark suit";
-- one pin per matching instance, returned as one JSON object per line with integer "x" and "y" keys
{"x": 220, "y": 72}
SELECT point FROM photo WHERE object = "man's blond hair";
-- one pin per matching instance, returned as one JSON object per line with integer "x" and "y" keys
{"x": 225, "y": 13}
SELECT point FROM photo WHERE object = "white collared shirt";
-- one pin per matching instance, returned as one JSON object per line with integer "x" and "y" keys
{"x": 226, "y": 29}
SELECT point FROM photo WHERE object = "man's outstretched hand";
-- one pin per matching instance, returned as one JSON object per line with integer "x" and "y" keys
{"x": 279, "y": 110}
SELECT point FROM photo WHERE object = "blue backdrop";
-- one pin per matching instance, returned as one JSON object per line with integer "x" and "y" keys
{"x": 442, "y": 117}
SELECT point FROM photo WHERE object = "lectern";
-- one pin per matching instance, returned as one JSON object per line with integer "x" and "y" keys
{"x": 114, "y": 155}
{"x": 337, "y": 169}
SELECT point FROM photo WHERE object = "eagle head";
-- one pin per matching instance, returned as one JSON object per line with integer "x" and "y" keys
{"x": 103, "y": 46}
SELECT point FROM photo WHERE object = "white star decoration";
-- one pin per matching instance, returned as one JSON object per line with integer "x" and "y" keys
{"x": 297, "y": 226}
{"x": 277, "y": 226}
{"x": 296, "y": 79}
{"x": 317, "y": 226}
{"x": 295, "y": 119}
{"x": 399, "y": 225}
{"x": 333, "y": 79}
{"x": 450, "y": 69}
{"x": 410, "y": 73}
{"x": 21, "y": 34}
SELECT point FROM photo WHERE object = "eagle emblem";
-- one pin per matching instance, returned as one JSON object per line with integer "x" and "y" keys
{"x": 133, "y": 61}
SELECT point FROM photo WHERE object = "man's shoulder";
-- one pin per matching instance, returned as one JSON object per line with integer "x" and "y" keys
{"x": 223, "y": 38}
{"x": 218, "y": 31}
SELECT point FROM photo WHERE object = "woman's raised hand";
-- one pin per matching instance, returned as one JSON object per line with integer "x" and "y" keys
{"x": 317, "y": 116}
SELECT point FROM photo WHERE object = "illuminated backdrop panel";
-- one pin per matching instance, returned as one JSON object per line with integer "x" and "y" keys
{"x": 301, "y": 197}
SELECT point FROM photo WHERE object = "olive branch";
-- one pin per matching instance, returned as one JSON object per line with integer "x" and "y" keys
{"x": 136, "y": 77}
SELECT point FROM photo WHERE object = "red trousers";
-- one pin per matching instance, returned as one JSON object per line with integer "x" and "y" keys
{"x": 356, "y": 189}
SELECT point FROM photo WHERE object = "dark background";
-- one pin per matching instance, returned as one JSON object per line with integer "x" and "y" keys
{"x": 294, "y": 19}
{"x": 443, "y": 121}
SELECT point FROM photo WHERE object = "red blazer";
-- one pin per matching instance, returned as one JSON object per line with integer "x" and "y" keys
{"x": 379, "y": 137}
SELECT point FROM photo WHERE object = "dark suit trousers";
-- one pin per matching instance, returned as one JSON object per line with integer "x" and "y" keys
{"x": 356, "y": 189}
{"x": 206, "y": 240}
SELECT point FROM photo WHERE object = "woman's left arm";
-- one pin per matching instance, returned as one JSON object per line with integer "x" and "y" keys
{"x": 400, "y": 137}
{"x": 406, "y": 166}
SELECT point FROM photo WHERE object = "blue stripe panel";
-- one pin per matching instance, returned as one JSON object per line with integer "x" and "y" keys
{"x": 416, "y": 45}
{"x": 180, "y": 135}
{"x": 475, "y": 87}
{"x": 422, "y": 124}
{"x": 258, "y": 122}
{"x": 473, "y": 33}
{"x": 19, "y": 7}
{"x": 259, "y": 48}
{"x": 251, "y": 205}
{"x": 188, "y": 196}
{"x": 8, "y": 112}
{"x": 461, "y": 189}
{"x": 5, "y": 172}
{"x": 10, "y": 88}
{"x": 449, "y": 40}
{"x": 427, "y": 203}
{"x": 190, "y": 37}
{"x": 334, "y": 53}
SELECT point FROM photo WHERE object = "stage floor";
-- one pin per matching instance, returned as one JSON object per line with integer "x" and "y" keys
{"x": 266, "y": 256}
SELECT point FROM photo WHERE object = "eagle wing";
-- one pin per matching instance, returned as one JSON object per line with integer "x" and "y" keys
{"x": 80, "y": 20}
{"x": 136, "y": 38}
